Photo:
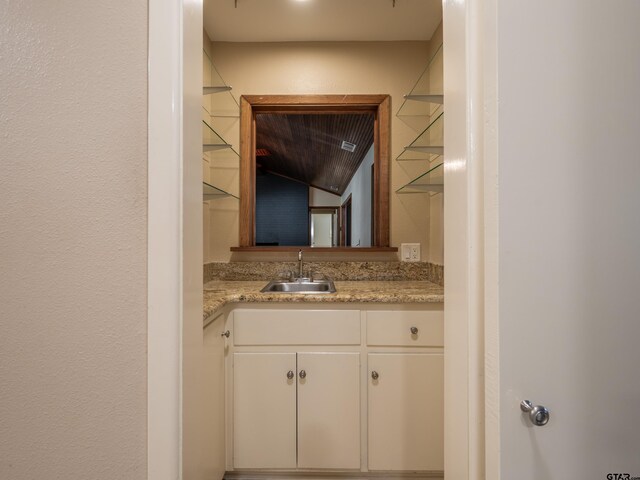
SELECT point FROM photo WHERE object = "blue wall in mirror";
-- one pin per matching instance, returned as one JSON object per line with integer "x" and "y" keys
{"x": 282, "y": 211}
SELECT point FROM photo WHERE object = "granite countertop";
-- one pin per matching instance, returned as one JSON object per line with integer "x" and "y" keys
{"x": 218, "y": 293}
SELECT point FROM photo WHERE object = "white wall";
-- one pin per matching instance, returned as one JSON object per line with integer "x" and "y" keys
{"x": 360, "y": 190}
{"x": 320, "y": 198}
{"x": 328, "y": 67}
{"x": 73, "y": 89}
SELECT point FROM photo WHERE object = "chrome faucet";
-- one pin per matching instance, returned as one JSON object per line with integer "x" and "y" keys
{"x": 300, "y": 274}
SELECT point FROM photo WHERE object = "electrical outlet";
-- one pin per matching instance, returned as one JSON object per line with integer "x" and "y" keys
{"x": 415, "y": 252}
{"x": 410, "y": 252}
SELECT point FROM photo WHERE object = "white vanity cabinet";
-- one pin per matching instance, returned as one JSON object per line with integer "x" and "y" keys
{"x": 296, "y": 399}
{"x": 213, "y": 390}
{"x": 301, "y": 393}
{"x": 406, "y": 408}
{"x": 405, "y": 391}
{"x": 329, "y": 410}
{"x": 264, "y": 410}
{"x": 304, "y": 403}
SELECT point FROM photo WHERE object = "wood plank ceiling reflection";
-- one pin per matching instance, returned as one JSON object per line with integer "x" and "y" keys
{"x": 307, "y": 147}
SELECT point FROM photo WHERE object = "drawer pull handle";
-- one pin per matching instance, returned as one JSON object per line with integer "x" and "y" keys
{"x": 414, "y": 330}
{"x": 225, "y": 334}
{"x": 290, "y": 374}
{"x": 303, "y": 374}
{"x": 374, "y": 375}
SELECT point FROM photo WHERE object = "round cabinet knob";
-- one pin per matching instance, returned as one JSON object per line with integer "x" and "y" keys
{"x": 225, "y": 334}
{"x": 290, "y": 374}
{"x": 414, "y": 330}
{"x": 375, "y": 375}
{"x": 303, "y": 374}
{"x": 538, "y": 414}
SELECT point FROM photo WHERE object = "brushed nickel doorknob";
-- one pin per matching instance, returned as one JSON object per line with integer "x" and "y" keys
{"x": 374, "y": 375}
{"x": 303, "y": 374}
{"x": 290, "y": 374}
{"x": 414, "y": 330}
{"x": 538, "y": 414}
{"x": 225, "y": 334}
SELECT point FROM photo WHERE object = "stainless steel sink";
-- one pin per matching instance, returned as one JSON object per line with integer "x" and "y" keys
{"x": 303, "y": 285}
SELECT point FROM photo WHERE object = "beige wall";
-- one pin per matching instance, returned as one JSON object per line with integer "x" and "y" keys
{"x": 73, "y": 240}
{"x": 330, "y": 67}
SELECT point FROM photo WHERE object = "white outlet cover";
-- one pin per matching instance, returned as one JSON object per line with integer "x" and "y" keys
{"x": 410, "y": 252}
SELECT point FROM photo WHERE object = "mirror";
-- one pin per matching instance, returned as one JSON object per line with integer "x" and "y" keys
{"x": 314, "y": 172}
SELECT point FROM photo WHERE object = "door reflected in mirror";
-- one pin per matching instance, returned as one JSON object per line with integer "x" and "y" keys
{"x": 323, "y": 227}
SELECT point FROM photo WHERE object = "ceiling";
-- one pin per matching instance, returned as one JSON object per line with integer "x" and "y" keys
{"x": 321, "y": 20}
{"x": 307, "y": 147}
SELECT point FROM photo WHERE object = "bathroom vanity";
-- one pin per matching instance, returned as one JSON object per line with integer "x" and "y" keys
{"x": 351, "y": 387}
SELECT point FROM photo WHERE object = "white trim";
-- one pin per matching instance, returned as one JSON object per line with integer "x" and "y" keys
{"x": 477, "y": 206}
{"x": 488, "y": 39}
{"x": 193, "y": 405}
{"x": 164, "y": 241}
{"x": 463, "y": 227}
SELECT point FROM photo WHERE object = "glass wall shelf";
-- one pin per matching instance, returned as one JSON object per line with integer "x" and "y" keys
{"x": 426, "y": 94}
{"x": 210, "y": 90}
{"x": 209, "y": 192}
{"x": 413, "y": 156}
{"x": 431, "y": 150}
{"x": 429, "y": 98}
{"x": 224, "y": 105}
{"x": 211, "y": 140}
{"x": 429, "y": 144}
{"x": 430, "y": 181}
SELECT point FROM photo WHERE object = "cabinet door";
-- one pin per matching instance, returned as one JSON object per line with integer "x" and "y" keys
{"x": 213, "y": 441}
{"x": 264, "y": 410}
{"x": 329, "y": 410}
{"x": 406, "y": 412}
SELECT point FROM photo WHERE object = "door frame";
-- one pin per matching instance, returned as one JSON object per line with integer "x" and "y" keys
{"x": 470, "y": 229}
{"x": 335, "y": 215}
{"x": 346, "y": 214}
{"x": 174, "y": 237}
{"x": 164, "y": 316}
{"x": 470, "y": 217}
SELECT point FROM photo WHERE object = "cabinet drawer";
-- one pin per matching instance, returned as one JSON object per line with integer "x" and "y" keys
{"x": 394, "y": 328}
{"x": 296, "y": 327}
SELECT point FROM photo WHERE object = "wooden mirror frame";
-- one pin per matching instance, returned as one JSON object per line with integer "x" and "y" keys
{"x": 379, "y": 105}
